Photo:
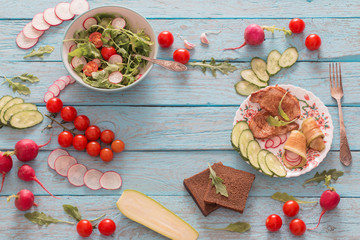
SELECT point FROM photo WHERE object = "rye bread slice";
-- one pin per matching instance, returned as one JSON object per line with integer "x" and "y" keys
{"x": 197, "y": 186}
{"x": 238, "y": 184}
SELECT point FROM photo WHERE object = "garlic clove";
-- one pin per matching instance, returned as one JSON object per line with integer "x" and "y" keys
{"x": 189, "y": 45}
{"x": 204, "y": 39}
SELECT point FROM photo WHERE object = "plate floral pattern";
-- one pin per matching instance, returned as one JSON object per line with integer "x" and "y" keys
{"x": 311, "y": 106}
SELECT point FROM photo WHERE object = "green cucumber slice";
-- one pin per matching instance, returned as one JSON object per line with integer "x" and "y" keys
{"x": 3, "y": 101}
{"x": 250, "y": 76}
{"x": 236, "y": 132}
{"x": 273, "y": 66}
{"x": 245, "y": 137}
{"x": 262, "y": 164}
{"x": 259, "y": 67}
{"x": 26, "y": 119}
{"x": 9, "y": 104}
{"x": 288, "y": 58}
{"x": 245, "y": 88}
{"x": 274, "y": 165}
{"x": 252, "y": 150}
{"x": 18, "y": 108}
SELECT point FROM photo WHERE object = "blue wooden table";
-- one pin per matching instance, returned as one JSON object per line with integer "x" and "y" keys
{"x": 173, "y": 124}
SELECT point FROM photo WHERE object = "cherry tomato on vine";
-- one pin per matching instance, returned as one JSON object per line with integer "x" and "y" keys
{"x": 313, "y": 42}
{"x": 93, "y": 148}
{"x": 92, "y": 133}
{"x": 80, "y": 142}
{"x": 117, "y": 146}
{"x": 165, "y": 39}
{"x": 297, "y": 227}
{"x": 106, "y": 154}
{"x": 89, "y": 68}
{"x": 54, "y": 105}
{"x": 107, "y": 136}
{"x": 273, "y": 223}
{"x": 291, "y": 208}
{"x": 297, "y": 25}
{"x": 107, "y": 227}
{"x": 107, "y": 52}
{"x": 181, "y": 55}
{"x": 84, "y": 228}
{"x": 81, "y": 122}
{"x": 95, "y": 38}
{"x": 65, "y": 139}
{"x": 68, "y": 113}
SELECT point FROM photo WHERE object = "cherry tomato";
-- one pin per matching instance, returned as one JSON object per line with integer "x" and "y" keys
{"x": 297, "y": 25}
{"x": 95, "y": 38}
{"x": 54, "y": 105}
{"x": 65, "y": 139}
{"x": 117, "y": 146}
{"x": 89, "y": 68}
{"x": 81, "y": 122}
{"x": 313, "y": 42}
{"x": 68, "y": 114}
{"x": 107, "y": 52}
{"x": 84, "y": 228}
{"x": 273, "y": 223}
{"x": 107, "y": 227}
{"x": 297, "y": 227}
{"x": 181, "y": 55}
{"x": 291, "y": 208}
{"x": 92, "y": 133}
{"x": 106, "y": 155}
{"x": 107, "y": 136}
{"x": 80, "y": 142}
{"x": 165, "y": 39}
{"x": 93, "y": 148}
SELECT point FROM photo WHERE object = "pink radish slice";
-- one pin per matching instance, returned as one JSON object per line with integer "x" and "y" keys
{"x": 116, "y": 58}
{"x": 138, "y": 76}
{"x": 78, "y": 7}
{"x": 62, "y": 11}
{"x": 76, "y": 174}
{"x": 39, "y": 23}
{"x": 92, "y": 179}
{"x": 51, "y": 18}
{"x": 48, "y": 95}
{"x": 63, "y": 163}
{"x": 60, "y": 83}
{"x": 54, "y": 89}
{"x": 24, "y": 42}
{"x": 72, "y": 47}
{"x": 31, "y": 32}
{"x": 76, "y": 61}
{"x": 54, "y": 155}
{"x": 66, "y": 79}
{"x": 111, "y": 180}
{"x": 283, "y": 138}
{"x": 277, "y": 141}
{"x": 115, "y": 77}
{"x": 291, "y": 156}
{"x": 269, "y": 143}
{"x": 72, "y": 80}
{"x": 89, "y": 22}
{"x": 97, "y": 61}
{"x": 118, "y": 23}
{"x": 293, "y": 163}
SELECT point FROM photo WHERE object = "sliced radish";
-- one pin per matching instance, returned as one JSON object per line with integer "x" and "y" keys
{"x": 76, "y": 174}
{"x": 48, "y": 95}
{"x": 269, "y": 143}
{"x": 291, "y": 155}
{"x": 118, "y": 23}
{"x": 54, "y": 89}
{"x": 51, "y": 18}
{"x": 54, "y": 155}
{"x": 283, "y": 138}
{"x": 90, "y": 21}
{"x": 31, "y": 32}
{"x": 72, "y": 80}
{"x": 63, "y": 163}
{"x": 111, "y": 180}
{"x": 66, "y": 79}
{"x": 24, "y": 42}
{"x": 78, "y": 7}
{"x": 277, "y": 141}
{"x": 97, "y": 61}
{"x": 62, "y": 11}
{"x": 60, "y": 83}
{"x": 115, "y": 77}
{"x": 293, "y": 162}
{"x": 72, "y": 47}
{"x": 39, "y": 23}
{"x": 76, "y": 61}
{"x": 138, "y": 76}
{"x": 92, "y": 179}
{"x": 116, "y": 58}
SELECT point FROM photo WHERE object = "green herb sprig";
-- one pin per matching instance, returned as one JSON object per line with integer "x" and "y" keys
{"x": 319, "y": 177}
{"x": 19, "y": 87}
{"x": 40, "y": 52}
{"x": 223, "y": 67}
{"x": 284, "y": 197}
{"x": 239, "y": 227}
{"x": 218, "y": 183}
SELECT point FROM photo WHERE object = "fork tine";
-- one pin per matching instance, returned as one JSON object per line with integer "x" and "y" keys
{"x": 340, "y": 76}
{"x": 337, "y": 75}
{"x": 330, "y": 75}
{"x": 333, "y": 72}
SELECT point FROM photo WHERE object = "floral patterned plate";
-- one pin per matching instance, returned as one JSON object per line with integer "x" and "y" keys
{"x": 311, "y": 106}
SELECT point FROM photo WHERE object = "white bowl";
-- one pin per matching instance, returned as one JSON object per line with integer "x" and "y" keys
{"x": 135, "y": 21}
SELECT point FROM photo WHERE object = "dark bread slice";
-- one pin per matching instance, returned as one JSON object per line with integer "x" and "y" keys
{"x": 238, "y": 184}
{"x": 197, "y": 186}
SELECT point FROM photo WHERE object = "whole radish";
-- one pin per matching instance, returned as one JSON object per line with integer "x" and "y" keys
{"x": 6, "y": 165}
{"x": 27, "y": 173}
{"x": 27, "y": 150}
{"x": 24, "y": 200}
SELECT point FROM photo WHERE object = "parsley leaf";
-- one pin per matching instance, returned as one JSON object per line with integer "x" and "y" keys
{"x": 218, "y": 183}
{"x": 223, "y": 67}
{"x": 40, "y": 52}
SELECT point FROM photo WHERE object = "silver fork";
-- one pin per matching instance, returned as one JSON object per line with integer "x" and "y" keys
{"x": 337, "y": 93}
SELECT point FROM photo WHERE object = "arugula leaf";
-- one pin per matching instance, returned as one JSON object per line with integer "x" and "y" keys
{"x": 281, "y": 111}
{"x": 18, "y": 87}
{"x": 218, "y": 183}
{"x": 319, "y": 177}
{"x": 40, "y": 52}
{"x": 275, "y": 121}
{"x": 272, "y": 28}
{"x": 223, "y": 67}
{"x": 284, "y": 197}
{"x": 86, "y": 49}
{"x": 41, "y": 219}
{"x": 27, "y": 77}
{"x": 72, "y": 212}
{"x": 239, "y": 227}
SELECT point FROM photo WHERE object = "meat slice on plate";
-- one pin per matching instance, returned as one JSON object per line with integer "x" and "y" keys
{"x": 262, "y": 129}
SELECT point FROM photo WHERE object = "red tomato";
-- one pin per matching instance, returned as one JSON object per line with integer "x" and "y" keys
{"x": 54, "y": 105}
{"x": 181, "y": 55}
{"x": 89, "y": 68}
{"x": 95, "y": 38}
{"x": 92, "y": 133}
{"x": 65, "y": 139}
{"x": 297, "y": 25}
{"x": 93, "y": 148}
{"x": 80, "y": 142}
{"x": 313, "y": 42}
{"x": 106, "y": 155}
{"x": 107, "y": 136}
{"x": 273, "y": 223}
{"x": 165, "y": 39}
{"x": 107, "y": 227}
{"x": 84, "y": 228}
{"x": 81, "y": 122}
{"x": 117, "y": 146}
{"x": 291, "y": 208}
{"x": 297, "y": 227}
{"x": 107, "y": 52}
{"x": 68, "y": 114}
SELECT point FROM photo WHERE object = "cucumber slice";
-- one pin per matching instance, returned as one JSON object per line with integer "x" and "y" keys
{"x": 3, "y": 101}
{"x": 262, "y": 164}
{"x": 288, "y": 58}
{"x": 259, "y": 67}
{"x": 245, "y": 137}
{"x": 26, "y": 119}
{"x": 9, "y": 104}
{"x": 273, "y": 66}
{"x": 252, "y": 150}
{"x": 245, "y": 88}
{"x": 274, "y": 165}
{"x": 236, "y": 132}
{"x": 250, "y": 76}
{"x": 18, "y": 108}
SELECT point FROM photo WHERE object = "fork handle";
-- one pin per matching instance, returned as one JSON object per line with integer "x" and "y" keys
{"x": 345, "y": 153}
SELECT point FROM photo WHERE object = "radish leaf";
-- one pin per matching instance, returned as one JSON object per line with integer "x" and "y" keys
{"x": 72, "y": 212}
{"x": 41, "y": 219}
{"x": 235, "y": 227}
{"x": 40, "y": 52}
{"x": 284, "y": 197}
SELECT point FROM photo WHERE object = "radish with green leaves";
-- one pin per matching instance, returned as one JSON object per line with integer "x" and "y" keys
{"x": 6, "y": 165}
{"x": 27, "y": 150}
{"x": 24, "y": 200}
